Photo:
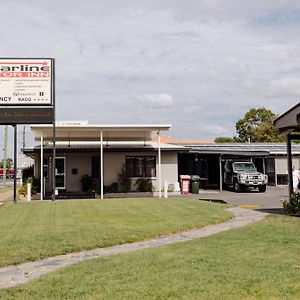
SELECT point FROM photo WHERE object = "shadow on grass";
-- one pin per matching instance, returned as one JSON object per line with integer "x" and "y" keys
{"x": 214, "y": 201}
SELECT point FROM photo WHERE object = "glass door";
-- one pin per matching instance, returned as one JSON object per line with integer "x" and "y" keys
{"x": 60, "y": 173}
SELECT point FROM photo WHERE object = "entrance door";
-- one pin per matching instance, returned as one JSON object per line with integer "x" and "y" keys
{"x": 60, "y": 173}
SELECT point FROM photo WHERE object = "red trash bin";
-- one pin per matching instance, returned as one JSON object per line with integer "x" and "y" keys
{"x": 185, "y": 184}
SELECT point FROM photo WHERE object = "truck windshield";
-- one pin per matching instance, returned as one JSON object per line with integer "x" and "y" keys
{"x": 244, "y": 167}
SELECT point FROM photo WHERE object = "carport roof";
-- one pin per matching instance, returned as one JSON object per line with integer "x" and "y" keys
{"x": 290, "y": 120}
{"x": 111, "y": 132}
{"x": 242, "y": 149}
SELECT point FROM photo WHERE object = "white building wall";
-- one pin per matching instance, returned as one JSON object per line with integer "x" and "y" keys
{"x": 113, "y": 164}
{"x": 81, "y": 162}
{"x": 281, "y": 164}
{"x": 169, "y": 169}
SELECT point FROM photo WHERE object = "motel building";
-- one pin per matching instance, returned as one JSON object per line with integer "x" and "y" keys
{"x": 102, "y": 151}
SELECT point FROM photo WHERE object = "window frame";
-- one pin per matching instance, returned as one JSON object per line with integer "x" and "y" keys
{"x": 144, "y": 166}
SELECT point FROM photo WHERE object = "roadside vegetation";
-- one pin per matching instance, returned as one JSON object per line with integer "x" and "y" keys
{"x": 292, "y": 205}
{"x": 260, "y": 261}
{"x": 34, "y": 230}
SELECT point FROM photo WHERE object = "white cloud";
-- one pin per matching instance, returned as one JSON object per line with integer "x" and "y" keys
{"x": 284, "y": 87}
{"x": 213, "y": 129}
{"x": 217, "y": 58}
{"x": 155, "y": 101}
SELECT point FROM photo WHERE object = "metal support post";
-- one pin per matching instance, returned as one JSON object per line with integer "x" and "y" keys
{"x": 159, "y": 166}
{"x": 289, "y": 164}
{"x": 42, "y": 166}
{"x": 15, "y": 161}
{"x": 101, "y": 164}
{"x": 220, "y": 172}
{"x": 54, "y": 136}
{"x": 5, "y": 155}
{"x": 53, "y": 164}
{"x": 275, "y": 170}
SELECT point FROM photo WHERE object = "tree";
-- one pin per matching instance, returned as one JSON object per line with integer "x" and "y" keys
{"x": 225, "y": 139}
{"x": 9, "y": 163}
{"x": 257, "y": 126}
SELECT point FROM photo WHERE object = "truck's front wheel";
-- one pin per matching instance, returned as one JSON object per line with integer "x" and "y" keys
{"x": 262, "y": 188}
{"x": 237, "y": 187}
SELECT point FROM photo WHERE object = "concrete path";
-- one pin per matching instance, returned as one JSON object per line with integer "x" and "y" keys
{"x": 14, "y": 275}
{"x": 5, "y": 196}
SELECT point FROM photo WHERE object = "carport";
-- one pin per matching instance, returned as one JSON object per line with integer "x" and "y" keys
{"x": 207, "y": 160}
{"x": 289, "y": 124}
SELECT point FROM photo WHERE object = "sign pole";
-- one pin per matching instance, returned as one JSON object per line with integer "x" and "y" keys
{"x": 5, "y": 156}
{"x": 54, "y": 135}
{"x": 15, "y": 162}
{"x": 53, "y": 164}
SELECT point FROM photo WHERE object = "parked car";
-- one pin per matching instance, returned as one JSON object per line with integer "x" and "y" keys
{"x": 9, "y": 173}
{"x": 241, "y": 175}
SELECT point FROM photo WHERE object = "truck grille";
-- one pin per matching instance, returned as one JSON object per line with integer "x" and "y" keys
{"x": 254, "y": 177}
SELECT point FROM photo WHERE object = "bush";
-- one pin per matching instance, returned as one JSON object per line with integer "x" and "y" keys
{"x": 23, "y": 189}
{"x": 124, "y": 181}
{"x": 96, "y": 188}
{"x": 86, "y": 183}
{"x": 144, "y": 185}
{"x": 27, "y": 173}
{"x": 292, "y": 205}
{"x": 36, "y": 183}
{"x": 113, "y": 188}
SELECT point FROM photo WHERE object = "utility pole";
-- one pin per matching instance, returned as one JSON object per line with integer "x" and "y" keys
{"x": 5, "y": 154}
{"x": 24, "y": 138}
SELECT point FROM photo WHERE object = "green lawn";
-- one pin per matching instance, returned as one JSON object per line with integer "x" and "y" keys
{"x": 260, "y": 261}
{"x": 30, "y": 231}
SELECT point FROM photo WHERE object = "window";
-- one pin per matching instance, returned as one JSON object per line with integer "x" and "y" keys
{"x": 141, "y": 166}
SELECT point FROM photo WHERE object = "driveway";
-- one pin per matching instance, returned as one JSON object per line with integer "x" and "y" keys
{"x": 271, "y": 199}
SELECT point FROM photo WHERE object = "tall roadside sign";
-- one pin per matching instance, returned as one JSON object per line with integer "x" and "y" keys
{"x": 27, "y": 96}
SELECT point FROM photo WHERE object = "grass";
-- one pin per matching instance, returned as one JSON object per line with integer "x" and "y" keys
{"x": 30, "y": 231}
{"x": 260, "y": 261}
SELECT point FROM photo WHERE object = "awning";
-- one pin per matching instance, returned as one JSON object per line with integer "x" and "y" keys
{"x": 288, "y": 123}
{"x": 97, "y": 132}
{"x": 290, "y": 120}
{"x": 113, "y": 132}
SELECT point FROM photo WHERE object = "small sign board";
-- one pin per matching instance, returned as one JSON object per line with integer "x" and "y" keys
{"x": 26, "y": 81}
{"x": 26, "y": 115}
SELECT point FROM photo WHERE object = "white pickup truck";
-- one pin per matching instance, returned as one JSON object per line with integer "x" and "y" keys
{"x": 241, "y": 175}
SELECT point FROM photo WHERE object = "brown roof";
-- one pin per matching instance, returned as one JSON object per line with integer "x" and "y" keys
{"x": 169, "y": 140}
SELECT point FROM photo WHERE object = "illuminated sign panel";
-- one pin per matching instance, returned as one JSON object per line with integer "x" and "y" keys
{"x": 26, "y": 81}
{"x": 26, "y": 115}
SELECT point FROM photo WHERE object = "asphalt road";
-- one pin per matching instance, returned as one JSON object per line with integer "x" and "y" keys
{"x": 271, "y": 199}
{"x": 9, "y": 182}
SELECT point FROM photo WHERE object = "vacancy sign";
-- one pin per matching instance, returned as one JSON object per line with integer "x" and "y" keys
{"x": 26, "y": 81}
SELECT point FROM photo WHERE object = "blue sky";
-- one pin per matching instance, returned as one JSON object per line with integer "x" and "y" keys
{"x": 199, "y": 65}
